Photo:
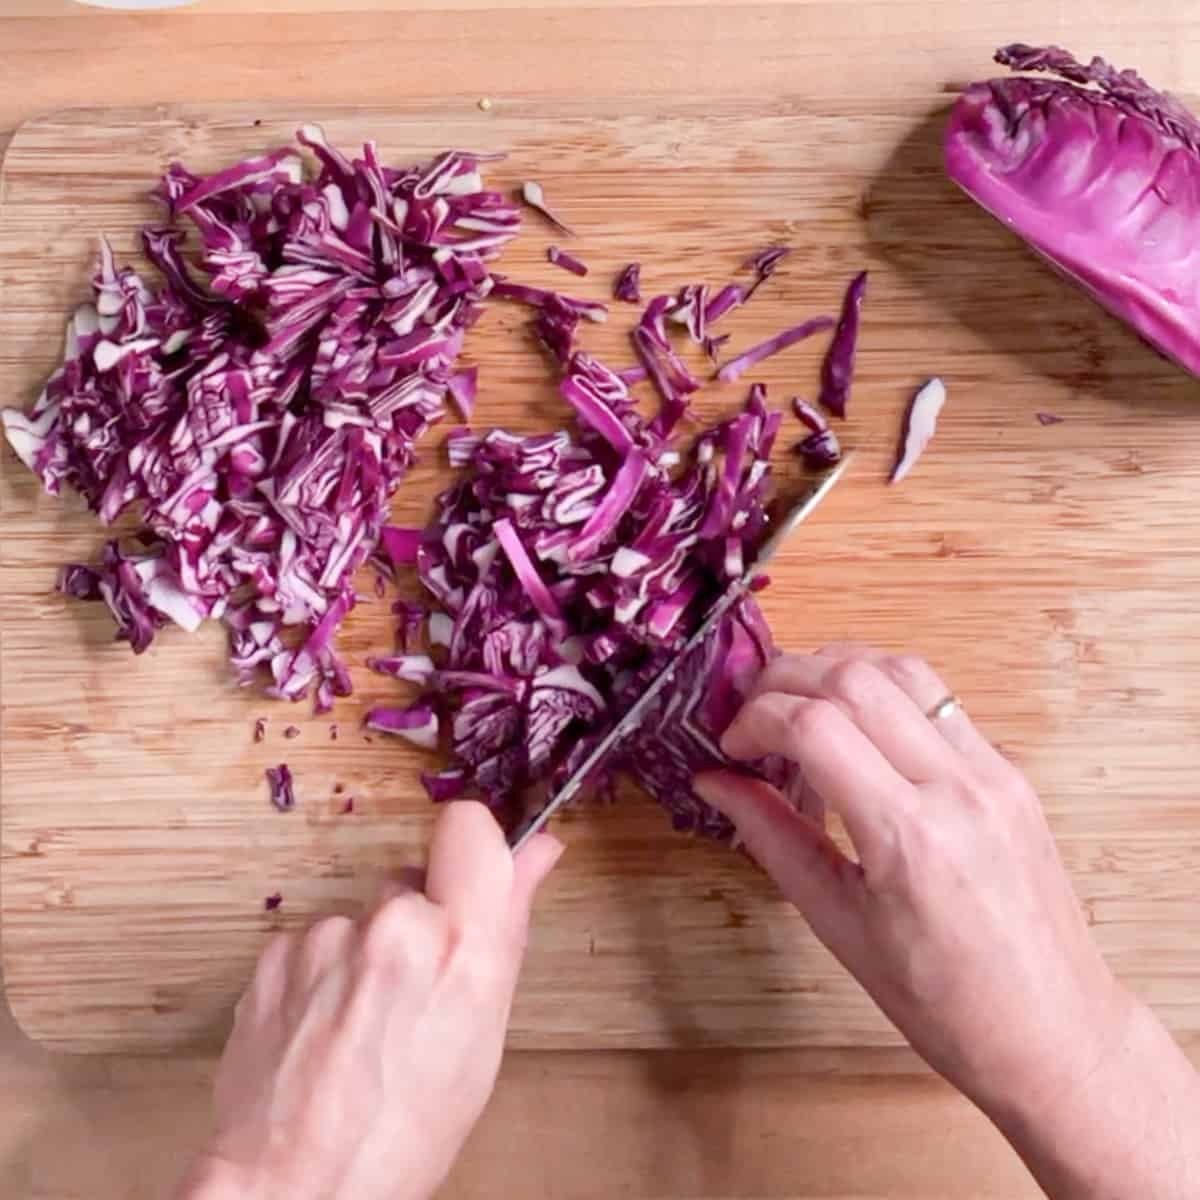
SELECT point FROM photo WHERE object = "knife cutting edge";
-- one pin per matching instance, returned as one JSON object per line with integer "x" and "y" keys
{"x": 721, "y": 606}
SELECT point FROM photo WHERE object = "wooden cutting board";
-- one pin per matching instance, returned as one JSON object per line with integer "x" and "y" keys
{"x": 1050, "y": 572}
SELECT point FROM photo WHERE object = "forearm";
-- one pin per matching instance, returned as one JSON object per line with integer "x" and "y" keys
{"x": 1127, "y": 1129}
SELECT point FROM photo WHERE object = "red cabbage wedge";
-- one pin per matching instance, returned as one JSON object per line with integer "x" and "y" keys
{"x": 1100, "y": 174}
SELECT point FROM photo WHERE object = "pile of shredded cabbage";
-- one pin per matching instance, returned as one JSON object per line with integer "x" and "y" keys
{"x": 259, "y": 420}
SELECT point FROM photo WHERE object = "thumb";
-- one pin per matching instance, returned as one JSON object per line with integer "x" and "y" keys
{"x": 793, "y": 849}
{"x": 533, "y": 862}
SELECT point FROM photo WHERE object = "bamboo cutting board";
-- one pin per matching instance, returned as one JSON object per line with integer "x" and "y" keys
{"x": 1050, "y": 572}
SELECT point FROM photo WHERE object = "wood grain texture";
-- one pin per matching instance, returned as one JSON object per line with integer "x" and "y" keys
{"x": 1046, "y": 570}
{"x": 681, "y": 1126}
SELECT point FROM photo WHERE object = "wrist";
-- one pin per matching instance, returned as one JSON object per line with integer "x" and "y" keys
{"x": 1113, "y": 1122}
{"x": 1070, "y": 1061}
{"x": 1027, "y": 1075}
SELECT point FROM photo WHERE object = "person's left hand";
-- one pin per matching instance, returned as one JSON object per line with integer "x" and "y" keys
{"x": 364, "y": 1052}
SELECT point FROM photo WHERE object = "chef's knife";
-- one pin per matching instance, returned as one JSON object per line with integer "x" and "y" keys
{"x": 728, "y": 599}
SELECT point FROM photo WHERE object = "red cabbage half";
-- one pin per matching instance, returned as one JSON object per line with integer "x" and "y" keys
{"x": 1100, "y": 174}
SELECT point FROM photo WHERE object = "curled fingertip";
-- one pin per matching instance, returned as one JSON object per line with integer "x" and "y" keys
{"x": 718, "y": 788}
{"x": 544, "y": 847}
{"x": 735, "y": 741}
{"x": 536, "y": 859}
{"x": 531, "y": 866}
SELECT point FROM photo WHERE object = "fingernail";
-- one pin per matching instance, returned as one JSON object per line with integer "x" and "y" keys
{"x": 555, "y": 846}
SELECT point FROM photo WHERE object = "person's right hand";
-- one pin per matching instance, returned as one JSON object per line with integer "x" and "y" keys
{"x": 364, "y": 1051}
{"x": 957, "y": 917}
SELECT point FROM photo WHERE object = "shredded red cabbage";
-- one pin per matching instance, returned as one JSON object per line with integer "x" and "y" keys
{"x": 763, "y": 265}
{"x": 463, "y": 387}
{"x": 273, "y": 902}
{"x": 503, "y": 289}
{"x": 731, "y": 296}
{"x": 838, "y": 368}
{"x": 400, "y": 545}
{"x": 1047, "y": 418}
{"x": 712, "y": 346}
{"x": 628, "y": 284}
{"x": 570, "y": 567}
{"x": 535, "y": 197}
{"x": 260, "y": 419}
{"x": 781, "y": 341}
{"x": 418, "y": 723}
{"x": 670, "y": 375}
{"x": 262, "y": 423}
{"x": 820, "y": 450}
{"x": 416, "y": 668}
{"x": 279, "y": 780}
{"x": 808, "y": 415}
{"x": 568, "y": 262}
{"x": 556, "y": 326}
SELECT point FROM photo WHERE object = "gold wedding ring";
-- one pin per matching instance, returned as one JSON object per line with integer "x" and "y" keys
{"x": 946, "y": 707}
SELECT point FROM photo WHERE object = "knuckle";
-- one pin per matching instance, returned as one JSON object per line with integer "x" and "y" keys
{"x": 397, "y": 940}
{"x": 814, "y": 719}
{"x": 326, "y": 936}
{"x": 854, "y": 680}
{"x": 778, "y": 669}
{"x": 278, "y": 947}
{"x": 911, "y": 669}
{"x": 387, "y": 933}
{"x": 781, "y": 661}
{"x": 272, "y": 967}
{"x": 330, "y": 929}
{"x": 274, "y": 955}
{"x": 913, "y": 674}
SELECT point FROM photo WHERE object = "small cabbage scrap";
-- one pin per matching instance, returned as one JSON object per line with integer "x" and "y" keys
{"x": 821, "y": 448}
{"x": 568, "y": 262}
{"x": 920, "y": 423}
{"x": 1098, "y": 173}
{"x": 763, "y": 264}
{"x": 279, "y": 781}
{"x": 628, "y": 284}
{"x": 534, "y": 195}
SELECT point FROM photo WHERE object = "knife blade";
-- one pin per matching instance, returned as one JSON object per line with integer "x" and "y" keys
{"x": 629, "y": 722}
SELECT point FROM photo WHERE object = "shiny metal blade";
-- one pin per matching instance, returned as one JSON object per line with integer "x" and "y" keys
{"x": 727, "y": 600}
